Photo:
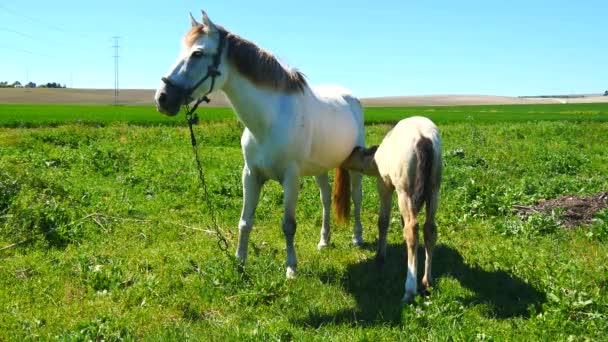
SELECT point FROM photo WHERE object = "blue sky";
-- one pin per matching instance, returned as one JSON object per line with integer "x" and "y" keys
{"x": 374, "y": 48}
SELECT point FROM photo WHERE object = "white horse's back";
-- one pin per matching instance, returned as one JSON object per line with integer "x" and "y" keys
{"x": 331, "y": 125}
{"x": 335, "y": 93}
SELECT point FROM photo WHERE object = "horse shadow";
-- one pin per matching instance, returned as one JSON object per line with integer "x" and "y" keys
{"x": 377, "y": 290}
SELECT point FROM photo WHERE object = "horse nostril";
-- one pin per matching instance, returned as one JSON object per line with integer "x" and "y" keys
{"x": 162, "y": 98}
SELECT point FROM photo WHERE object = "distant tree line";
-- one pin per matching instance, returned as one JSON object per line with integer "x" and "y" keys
{"x": 18, "y": 84}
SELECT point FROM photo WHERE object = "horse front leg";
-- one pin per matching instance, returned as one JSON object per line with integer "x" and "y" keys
{"x": 291, "y": 187}
{"x": 357, "y": 195}
{"x": 252, "y": 184}
{"x": 325, "y": 189}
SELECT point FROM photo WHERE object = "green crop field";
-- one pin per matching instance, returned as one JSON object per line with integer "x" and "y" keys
{"x": 21, "y": 116}
{"x": 104, "y": 234}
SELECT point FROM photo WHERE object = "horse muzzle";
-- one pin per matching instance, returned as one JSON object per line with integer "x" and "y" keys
{"x": 169, "y": 100}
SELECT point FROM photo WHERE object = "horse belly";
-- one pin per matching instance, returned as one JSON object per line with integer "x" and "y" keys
{"x": 333, "y": 138}
{"x": 267, "y": 159}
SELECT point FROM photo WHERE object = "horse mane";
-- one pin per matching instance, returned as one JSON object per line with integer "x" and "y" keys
{"x": 254, "y": 63}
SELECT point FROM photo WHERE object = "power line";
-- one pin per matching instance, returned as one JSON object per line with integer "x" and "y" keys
{"x": 79, "y": 35}
{"x": 116, "y": 56}
{"x": 43, "y": 39}
{"x": 17, "y": 32}
{"x": 45, "y": 24}
{"x": 27, "y": 51}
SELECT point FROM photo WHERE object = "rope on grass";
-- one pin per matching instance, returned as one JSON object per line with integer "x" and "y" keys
{"x": 95, "y": 217}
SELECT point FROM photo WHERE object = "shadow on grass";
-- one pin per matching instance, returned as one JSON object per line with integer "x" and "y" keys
{"x": 378, "y": 291}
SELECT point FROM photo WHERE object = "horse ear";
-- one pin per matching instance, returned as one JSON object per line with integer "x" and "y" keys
{"x": 193, "y": 21}
{"x": 207, "y": 22}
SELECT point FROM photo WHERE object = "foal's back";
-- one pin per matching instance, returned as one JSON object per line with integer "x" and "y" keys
{"x": 396, "y": 156}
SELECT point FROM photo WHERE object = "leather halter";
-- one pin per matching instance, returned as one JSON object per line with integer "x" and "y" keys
{"x": 212, "y": 72}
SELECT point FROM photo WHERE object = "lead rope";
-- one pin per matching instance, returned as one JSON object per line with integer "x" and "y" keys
{"x": 192, "y": 118}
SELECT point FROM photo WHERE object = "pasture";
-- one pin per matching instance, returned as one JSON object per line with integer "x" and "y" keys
{"x": 109, "y": 236}
{"x": 32, "y": 115}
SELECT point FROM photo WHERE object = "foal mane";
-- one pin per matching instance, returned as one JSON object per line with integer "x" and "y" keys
{"x": 256, "y": 64}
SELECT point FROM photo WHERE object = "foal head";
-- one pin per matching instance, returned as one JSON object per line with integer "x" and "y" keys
{"x": 362, "y": 160}
{"x": 199, "y": 65}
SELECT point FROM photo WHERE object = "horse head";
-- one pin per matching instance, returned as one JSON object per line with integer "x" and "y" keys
{"x": 199, "y": 68}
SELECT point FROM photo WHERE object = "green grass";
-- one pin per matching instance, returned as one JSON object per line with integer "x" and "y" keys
{"x": 494, "y": 114}
{"x": 54, "y": 115}
{"x": 20, "y": 115}
{"x": 106, "y": 213}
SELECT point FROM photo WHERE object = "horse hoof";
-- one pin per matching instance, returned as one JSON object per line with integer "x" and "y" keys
{"x": 357, "y": 241}
{"x": 290, "y": 273}
{"x": 322, "y": 244}
{"x": 408, "y": 298}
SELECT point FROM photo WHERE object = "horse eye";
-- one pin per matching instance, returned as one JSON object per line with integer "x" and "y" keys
{"x": 197, "y": 54}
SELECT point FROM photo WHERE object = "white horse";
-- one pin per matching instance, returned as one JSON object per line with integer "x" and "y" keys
{"x": 407, "y": 161}
{"x": 291, "y": 129}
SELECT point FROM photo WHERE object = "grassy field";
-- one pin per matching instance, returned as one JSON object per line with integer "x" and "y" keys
{"x": 113, "y": 241}
{"x": 21, "y": 116}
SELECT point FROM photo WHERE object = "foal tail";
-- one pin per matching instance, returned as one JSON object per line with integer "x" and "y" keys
{"x": 341, "y": 195}
{"x": 424, "y": 168}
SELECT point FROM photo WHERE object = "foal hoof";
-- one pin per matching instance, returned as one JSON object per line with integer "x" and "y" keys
{"x": 290, "y": 273}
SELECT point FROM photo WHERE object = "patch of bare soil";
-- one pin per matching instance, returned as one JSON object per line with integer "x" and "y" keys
{"x": 575, "y": 210}
{"x": 128, "y": 97}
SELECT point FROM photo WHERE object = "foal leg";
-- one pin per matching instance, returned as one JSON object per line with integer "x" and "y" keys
{"x": 252, "y": 184}
{"x": 357, "y": 195}
{"x": 291, "y": 187}
{"x": 323, "y": 184}
{"x": 410, "y": 234}
{"x": 430, "y": 238}
{"x": 386, "y": 195}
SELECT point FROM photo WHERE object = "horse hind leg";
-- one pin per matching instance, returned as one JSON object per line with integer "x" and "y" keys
{"x": 385, "y": 193}
{"x": 430, "y": 239}
{"x": 325, "y": 189}
{"x": 410, "y": 234}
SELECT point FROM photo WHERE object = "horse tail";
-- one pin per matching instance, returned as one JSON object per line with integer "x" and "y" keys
{"x": 424, "y": 167}
{"x": 341, "y": 195}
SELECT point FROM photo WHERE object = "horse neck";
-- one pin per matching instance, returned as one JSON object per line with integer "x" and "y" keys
{"x": 256, "y": 107}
